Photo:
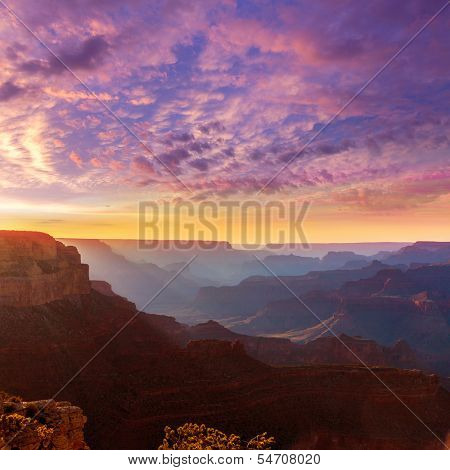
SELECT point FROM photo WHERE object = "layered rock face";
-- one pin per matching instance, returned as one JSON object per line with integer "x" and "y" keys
{"x": 35, "y": 269}
{"x": 59, "y": 426}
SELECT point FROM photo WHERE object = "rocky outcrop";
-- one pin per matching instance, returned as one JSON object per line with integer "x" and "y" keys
{"x": 103, "y": 287}
{"x": 35, "y": 269}
{"x": 222, "y": 357}
{"x": 40, "y": 425}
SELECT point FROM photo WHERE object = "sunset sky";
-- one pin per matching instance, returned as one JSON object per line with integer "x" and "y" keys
{"x": 224, "y": 93}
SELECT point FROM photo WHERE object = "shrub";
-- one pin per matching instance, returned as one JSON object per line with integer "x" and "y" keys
{"x": 17, "y": 431}
{"x": 7, "y": 397}
{"x": 32, "y": 410}
{"x": 10, "y": 407}
{"x": 192, "y": 436}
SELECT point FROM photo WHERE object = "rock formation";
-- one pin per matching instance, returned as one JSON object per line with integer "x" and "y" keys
{"x": 35, "y": 270}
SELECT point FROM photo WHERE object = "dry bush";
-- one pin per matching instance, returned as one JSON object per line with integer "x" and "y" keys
{"x": 18, "y": 431}
{"x": 192, "y": 436}
{"x": 24, "y": 432}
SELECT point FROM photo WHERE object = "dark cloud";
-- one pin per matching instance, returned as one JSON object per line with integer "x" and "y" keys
{"x": 9, "y": 90}
{"x": 287, "y": 156}
{"x": 199, "y": 147}
{"x": 319, "y": 150}
{"x": 174, "y": 157}
{"x": 333, "y": 148}
{"x": 88, "y": 56}
{"x": 328, "y": 177}
{"x": 229, "y": 152}
{"x": 373, "y": 147}
{"x": 209, "y": 127}
{"x": 35, "y": 66}
{"x": 174, "y": 138}
{"x": 256, "y": 155}
{"x": 184, "y": 137}
{"x": 343, "y": 49}
{"x": 201, "y": 164}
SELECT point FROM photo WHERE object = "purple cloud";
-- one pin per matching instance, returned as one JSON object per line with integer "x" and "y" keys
{"x": 200, "y": 164}
{"x": 89, "y": 55}
{"x": 9, "y": 90}
{"x": 174, "y": 157}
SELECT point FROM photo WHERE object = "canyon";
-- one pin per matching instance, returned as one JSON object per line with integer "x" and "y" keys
{"x": 159, "y": 372}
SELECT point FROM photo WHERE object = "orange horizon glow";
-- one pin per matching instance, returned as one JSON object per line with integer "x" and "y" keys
{"x": 320, "y": 227}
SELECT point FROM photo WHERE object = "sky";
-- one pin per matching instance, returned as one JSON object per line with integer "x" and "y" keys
{"x": 208, "y": 100}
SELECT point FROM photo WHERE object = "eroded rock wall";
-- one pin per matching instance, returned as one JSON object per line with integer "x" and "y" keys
{"x": 35, "y": 269}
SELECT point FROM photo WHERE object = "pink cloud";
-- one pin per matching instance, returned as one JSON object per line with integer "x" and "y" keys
{"x": 96, "y": 163}
{"x": 116, "y": 165}
{"x": 76, "y": 159}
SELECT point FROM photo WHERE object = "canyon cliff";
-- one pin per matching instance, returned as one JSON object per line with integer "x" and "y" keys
{"x": 144, "y": 379}
{"x": 35, "y": 269}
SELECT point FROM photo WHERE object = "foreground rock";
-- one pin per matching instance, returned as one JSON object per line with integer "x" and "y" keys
{"x": 23, "y": 426}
